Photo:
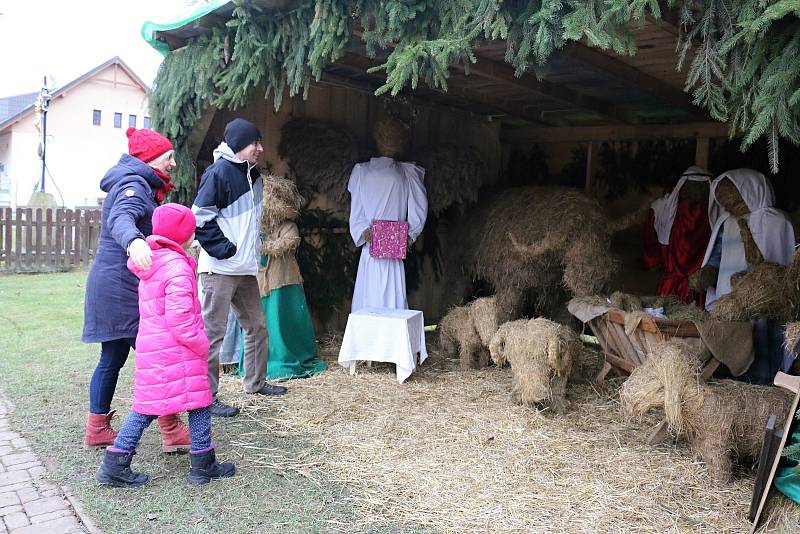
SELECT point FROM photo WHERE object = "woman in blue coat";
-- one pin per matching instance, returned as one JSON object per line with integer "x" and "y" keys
{"x": 134, "y": 187}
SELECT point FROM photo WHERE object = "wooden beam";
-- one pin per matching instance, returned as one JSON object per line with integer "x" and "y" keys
{"x": 198, "y": 134}
{"x": 656, "y": 88}
{"x": 591, "y": 165}
{"x": 689, "y": 130}
{"x": 361, "y": 64}
{"x": 501, "y": 72}
{"x": 701, "y": 152}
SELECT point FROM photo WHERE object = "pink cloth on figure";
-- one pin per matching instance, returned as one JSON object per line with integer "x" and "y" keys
{"x": 171, "y": 373}
{"x": 389, "y": 240}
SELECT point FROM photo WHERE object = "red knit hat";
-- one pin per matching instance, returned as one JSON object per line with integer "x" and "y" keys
{"x": 146, "y": 144}
{"x": 173, "y": 221}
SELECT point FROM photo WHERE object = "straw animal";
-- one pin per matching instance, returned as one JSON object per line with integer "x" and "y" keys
{"x": 540, "y": 353}
{"x": 467, "y": 330}
{"x": 545, "y": 243}
{"x": 720, "y": 419}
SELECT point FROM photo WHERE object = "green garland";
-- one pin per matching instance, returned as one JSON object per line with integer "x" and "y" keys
{"x": 745, "y": 66}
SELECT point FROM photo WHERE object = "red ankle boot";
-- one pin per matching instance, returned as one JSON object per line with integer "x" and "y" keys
{"x": 98, "y": 430}
{"x": 174, "y": 434}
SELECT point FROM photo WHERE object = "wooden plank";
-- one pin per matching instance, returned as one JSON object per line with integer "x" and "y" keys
{"x": 656, "y": 88}
{"x": 58, "y": 259}
{"x": 688, "y": 130}
{"x": 69, "y": 227}
{"x": 768, "y": 450}
{"x": 78, "y": 238}
{"x": 661, "y": 326}
{"x": 20, "y": 235}
{"x": 38, "y": 254}
{"x": 49, "y": 258}
{"x": 702, "y": 152}
{"x": 84, "y": 229}
{"x": 28, "y": 257}
{"x": 591, "y": 165}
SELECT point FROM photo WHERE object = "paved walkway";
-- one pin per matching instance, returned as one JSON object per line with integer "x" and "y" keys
{"x": 29, "y": 504}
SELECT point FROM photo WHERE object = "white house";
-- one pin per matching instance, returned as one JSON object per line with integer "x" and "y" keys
{"x": 86, "y": 124}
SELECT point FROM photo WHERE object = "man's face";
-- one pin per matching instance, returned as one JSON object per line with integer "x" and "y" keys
{"x": 251, "y": 152}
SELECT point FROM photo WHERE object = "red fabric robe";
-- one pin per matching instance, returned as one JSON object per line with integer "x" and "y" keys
{"x": 688, "y": 240}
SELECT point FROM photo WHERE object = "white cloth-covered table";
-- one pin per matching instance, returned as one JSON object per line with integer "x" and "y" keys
{"x": 385, "y": 335}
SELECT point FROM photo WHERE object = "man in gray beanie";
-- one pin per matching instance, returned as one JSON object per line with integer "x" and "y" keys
{"x": 228, "y": 212}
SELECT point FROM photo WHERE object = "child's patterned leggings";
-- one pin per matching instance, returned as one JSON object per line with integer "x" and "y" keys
{"x": 135, "y": 424}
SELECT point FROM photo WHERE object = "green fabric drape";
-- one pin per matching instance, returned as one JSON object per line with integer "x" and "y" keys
{"x": 292, "y": 344}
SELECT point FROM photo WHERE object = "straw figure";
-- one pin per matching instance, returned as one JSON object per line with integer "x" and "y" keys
{"x": 586, "y": 365}
{"x": 536, "y": 242}
{"x": 467, "y": 330}
{"x": 540, "y": 353}
{"x": 720, "y": 419}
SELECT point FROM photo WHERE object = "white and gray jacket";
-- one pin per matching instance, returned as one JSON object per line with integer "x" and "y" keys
{"x": 228, "y": 212}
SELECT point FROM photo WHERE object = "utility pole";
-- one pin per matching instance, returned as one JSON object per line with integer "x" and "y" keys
{"x": 44, "y": 103}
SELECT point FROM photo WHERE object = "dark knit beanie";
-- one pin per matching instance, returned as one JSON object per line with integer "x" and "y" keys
{"x": 239, "y": 133}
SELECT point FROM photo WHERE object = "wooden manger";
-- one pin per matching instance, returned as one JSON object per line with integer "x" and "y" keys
{"x": 625, "y": 351}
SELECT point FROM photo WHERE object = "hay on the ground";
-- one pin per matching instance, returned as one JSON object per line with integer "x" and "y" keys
{"x": 446, "y": 452}
{"x": 720, "y": 419}
{"x": 503, "y": 243}
{"x": 761, "y": 292}
{"x": 320, "y": 154}
{"x": 453, "y": 175}
{"x": 540, "y": 353}
{"x": 781, "y": 515}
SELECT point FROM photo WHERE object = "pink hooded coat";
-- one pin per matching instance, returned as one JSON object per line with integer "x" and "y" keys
{"x": 171, "y": 347}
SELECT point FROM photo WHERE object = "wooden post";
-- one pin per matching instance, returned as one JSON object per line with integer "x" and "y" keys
{"x": 701, "y": 152}
{"x": 28, "y": 238}
{"x": 68, "y": 226}
{"x": 78, "y": 238}
{"x": 58, "y": 259}
{"x": 38, "y": 253}
{"x": 590, "y": 165}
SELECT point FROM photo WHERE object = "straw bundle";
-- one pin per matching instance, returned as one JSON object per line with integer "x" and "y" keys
{"x": 447, "y": 453}
{"x": 468, "y": 330}
{"x": 540, "y": 353}
{"x": 453, "y": 175}
{"x": 792, "y": 332}
{"x": 729, "y": 198}
{"x": 586, "y": 365}
{"x": 626, "y": 301}
{"x": 781, "y": 515}
{"x": 719, "y": 419}
{"x": 538, "y": 239}
{"x": 391, "y": 137}
{"x": 761, "y": 292}
{"x": 282, "y": 202}
{"x": 320, "y": 155}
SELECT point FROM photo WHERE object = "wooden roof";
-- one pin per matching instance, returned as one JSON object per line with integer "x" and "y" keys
{"x": 578, "y": 86}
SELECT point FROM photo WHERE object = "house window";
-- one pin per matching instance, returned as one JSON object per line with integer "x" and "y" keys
{"x": 132, "y": 121}
{"x": 117, "y": 120}
{"x": 96, "y": 117}
{"x": 146, "y": 122}
{"x": 5, "y": 180}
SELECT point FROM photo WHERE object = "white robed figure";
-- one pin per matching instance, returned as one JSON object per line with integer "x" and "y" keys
{"x": 771, "y": 229}
{"x": 385, "y": 189}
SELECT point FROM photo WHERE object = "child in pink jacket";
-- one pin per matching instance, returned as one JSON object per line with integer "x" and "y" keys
{"x": 171, "y": 355}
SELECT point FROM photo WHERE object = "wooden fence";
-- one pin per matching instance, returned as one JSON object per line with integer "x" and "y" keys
{"x": 41, "y": 240}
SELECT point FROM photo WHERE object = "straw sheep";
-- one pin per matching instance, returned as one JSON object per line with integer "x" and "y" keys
{"x": 540, "y": 353}
{"x": 719, "y": 419}
{"x": 467, "y": 330}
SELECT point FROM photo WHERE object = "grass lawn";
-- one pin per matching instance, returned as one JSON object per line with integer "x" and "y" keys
{"x": 46, "y": 371}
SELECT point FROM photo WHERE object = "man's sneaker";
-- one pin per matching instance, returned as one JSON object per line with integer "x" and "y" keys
{"x": 219, "y": 409}
{"x": 269, "y": 389}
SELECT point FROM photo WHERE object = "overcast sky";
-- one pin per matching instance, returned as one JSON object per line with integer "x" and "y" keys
{"x": 65, "y": 39}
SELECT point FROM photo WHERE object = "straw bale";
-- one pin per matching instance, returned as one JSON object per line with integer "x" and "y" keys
{"x": 539, "y": 241}
{"x": 761, "y": 292}
{"x": 720, "y": 419}
{"x": 703, "y": 278}
{"x": 540, "y": 353}
{"x": 453, "y": 175}
{"x": 467, "y": 330}
{"x": 282, "y": 202}
{"x": 320, "y": 154}
{"x": 446, "y": 452}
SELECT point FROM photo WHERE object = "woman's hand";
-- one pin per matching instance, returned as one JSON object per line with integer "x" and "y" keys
{"x": 366, "y": 235}
{"x": 141, "y": 253}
